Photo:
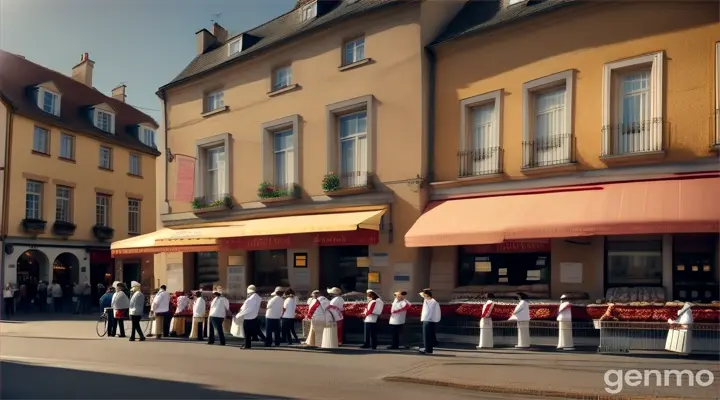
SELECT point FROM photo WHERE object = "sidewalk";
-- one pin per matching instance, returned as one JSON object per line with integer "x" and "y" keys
{"x": 567, "y": 375}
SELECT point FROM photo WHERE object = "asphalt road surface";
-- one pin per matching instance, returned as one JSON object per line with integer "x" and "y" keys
{"x": 41, "y": 366}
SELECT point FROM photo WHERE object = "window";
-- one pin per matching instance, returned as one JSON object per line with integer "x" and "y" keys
{"x": 134, "y": 216}
{"x": 353, "y": 149}
{"x": 505, "y": 269}
{"x": 67, "y": 146}
{"x": 33, "y": 200}
{"x": 206, "y": 270}
{"x": 633, "y": 262}
{"x": 63, "y": 204}
{"x": 309, "y": 11}
{"x": 480, "y": 152}
{"x": 284, "y": 158}
{"x": 344, "y": 273}
{"x": 105, "y": 158}
{"x": 215, "y": 180}
{"x": 105, "y": 121}
{"x": 41, "y": 140}
{"x": 135, "y": 163}
{"x": 354, "y": 51}
{"x": 632, "y": 105}
{"x": 102, "y": 210}
{"x": 148, "y": 137}
{"x": 235, "y": 47}
{"x": 214, "y": 101}
{"x": 282, "y": 78}
{"x": 50, "y": 102}
{"x": 270, "y": 269}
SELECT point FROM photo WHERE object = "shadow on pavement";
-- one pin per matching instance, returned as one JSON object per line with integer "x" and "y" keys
{"x": 61, "y": 383}
{"x": 7, "y": 321}
{"x": 50, "y": 337}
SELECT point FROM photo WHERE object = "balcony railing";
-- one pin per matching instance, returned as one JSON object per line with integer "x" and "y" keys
{"x": 478, "y": 162}
{"x": 633, "y": 138}
{"x": 549, "y": 151}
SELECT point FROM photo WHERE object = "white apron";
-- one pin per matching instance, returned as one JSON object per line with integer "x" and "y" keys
{"x": 157, "y": 328}
{"x": 330, "y": 336}
{"x": 679, "y": 339}
{"x": 194, "y": 330}
{"x": 237, "y": 329}
{"x": 565, "y": 335}
{"x": 486, "y": 334}
{"x": 523, "y": 328}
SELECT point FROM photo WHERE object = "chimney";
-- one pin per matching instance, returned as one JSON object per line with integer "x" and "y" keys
{"x": 204, "y": 40}
{"x": 119, "y": 93}
{"x": 220, "y": 33}
{"x": 83, "y": 72}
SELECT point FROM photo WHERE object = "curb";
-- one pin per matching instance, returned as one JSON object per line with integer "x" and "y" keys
{"x": 520, "y": 391}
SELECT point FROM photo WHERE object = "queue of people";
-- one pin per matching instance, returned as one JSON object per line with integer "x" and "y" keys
{"x": 38, "y": 296}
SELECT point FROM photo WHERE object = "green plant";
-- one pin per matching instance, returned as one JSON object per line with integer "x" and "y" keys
{"x": 331, "y": 182}
{"x": 267, "y": 190}
{"x": 200, "y": 202}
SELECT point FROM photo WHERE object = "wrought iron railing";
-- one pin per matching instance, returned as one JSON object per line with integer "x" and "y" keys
{"x": 633, "y": 138}
{"x": 547, "y": 151}
{"x": 478, "y": 162}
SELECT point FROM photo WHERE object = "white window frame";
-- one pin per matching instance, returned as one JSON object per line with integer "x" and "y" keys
{"x": 41, "y": 144}
{"x": 221, "y": 190}
{"x": 333, "y": 114}
{"x": 202, "y": 147}
{"x": 37, "y": 191}
{"x": 717, "y": 95}
{"x": 286, "y": 152}
{"x": 309, "y": 11}
{"x": 98, "y": 119}
{"x": 215, "y": 101}
{"x": 355, "y": 44}
{"x": 235, "y": 47}
{"x": 67, "y": 138}
{"x": 147, "y": 136}
{"x": 361, "y": 178}
{"x": 63, "y": 204}
{"x": 41, "y": 91}
{"x": 531, "y": 89}
{"x": 103, "y": 203}
{"x": 267, "y": 132}
{"x": 610, "y": 104}
{"x": 101, "y": 157}
{"x": 135, "y": 164}
{"x": 134, "y": 210}
{"x": 493, "y": 163}
{"x": 282, "y": 78}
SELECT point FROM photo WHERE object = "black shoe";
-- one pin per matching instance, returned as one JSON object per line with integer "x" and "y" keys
{"x": 392, "y": 348}
{"x": 210, "y": 342}
{"x": 132, "y": 339}
{"x": 364, "y": 347}
{"x": 222, "y": 344}
{"x": 142, "y": 339}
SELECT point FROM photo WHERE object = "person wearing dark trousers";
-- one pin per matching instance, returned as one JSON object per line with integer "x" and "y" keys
{"x": 137, "y": 307}
{"x": 288, "y": 317}
{"x": 106, "y": 306}
{"x": 9, "y": 300}
{"x": 249, "y": 314}
{"x": 197, "y": 331}
{"x": 273, "y": 313}
{"x": 398, "y": 313}
{"x": 219, "y": 310}
{"x": 372, "y": 312}
{"x": 121, "y": 308}
{"x": 430, "y": 317}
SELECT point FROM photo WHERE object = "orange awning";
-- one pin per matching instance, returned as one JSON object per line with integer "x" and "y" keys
{"x": 650, "y": 207}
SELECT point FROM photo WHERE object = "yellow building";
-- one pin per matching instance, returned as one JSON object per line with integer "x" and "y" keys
{"x": 331, "y": 90}
{"x": 575, "y": 150}
{"x": 78, "y": 172}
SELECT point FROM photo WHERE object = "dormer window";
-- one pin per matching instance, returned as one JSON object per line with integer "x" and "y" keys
{"x": 235, "y": 47}
{"x": 48, "y": 101}
{"x": 147, "y": 136}
{"x": 309, "y": 11}
{"x": 105, "y": 121}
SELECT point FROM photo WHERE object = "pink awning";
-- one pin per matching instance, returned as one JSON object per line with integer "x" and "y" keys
{"x": 690, "y": 204}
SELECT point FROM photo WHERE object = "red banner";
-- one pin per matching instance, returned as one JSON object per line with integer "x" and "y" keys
{"x": 303, "y": 240}
{"x": 533, "y": 246}
{"x": 185, "y": 185}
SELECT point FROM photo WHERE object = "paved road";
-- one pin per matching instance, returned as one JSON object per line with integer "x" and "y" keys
{"x": 64, "y": 361}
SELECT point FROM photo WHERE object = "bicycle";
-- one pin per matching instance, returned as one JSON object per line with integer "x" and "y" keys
{"x": 102, "y": 325}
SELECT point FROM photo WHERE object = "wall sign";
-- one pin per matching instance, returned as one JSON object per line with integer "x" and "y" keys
{"x": 303, "y": 240}
{"x": 509, "y": 247}
{"x": 373, "y": 277}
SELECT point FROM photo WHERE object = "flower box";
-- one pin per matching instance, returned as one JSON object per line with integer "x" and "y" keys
{"x": 33, "y": 225}
{"x": 202, "y": 206}
{"x": 64, "y": 228}
{"x": 103, "y": 232}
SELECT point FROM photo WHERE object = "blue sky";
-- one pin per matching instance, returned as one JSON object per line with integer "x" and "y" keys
{"x": 143, "y": 43}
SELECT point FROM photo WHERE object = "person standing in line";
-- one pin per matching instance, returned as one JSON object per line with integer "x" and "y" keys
{"x": 137, "y": 307}
{"x": 398, "y": 314}
{"x": 337, "y": 308}
{"x": 161, "y": 308}
{"x": 372, "y": 312}
{"x": 318, "y": 318}
{"x": 564, "y": 318}
{"x": 219, "y": 310}
{"x": 106, "y": 306}
{"x": 198, "y": 317}
{"x": 177, "y": 326}
{"x": 57, "y": 294}
{"x": 486, "y": 324}
{"x": 121, "y": 308}
{"x": 85, "y": 297}
{"x": 521, "y": 314}
{"x": 9, "y": 300}
{"x": 41, "y": 296}
{"x": 429, "y": 317}
{"x": 249, "y": 312}
{"x": 273, "y": 313}
{"x": 288, "y": 317}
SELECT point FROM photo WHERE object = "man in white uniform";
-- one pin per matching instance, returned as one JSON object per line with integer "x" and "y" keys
{"x": 219, "y": 310}
{"x": 248, "y": 313}
{"x": 486, "y": 324}
{"x": 372, "y": 312}
{"x": 318, "y": 319}
{"x": 198, "y": 318}
{"x": 521, "y": 314}
{"x": 337, "y": 309}
{"x": 679, "y": 338}
{"x": 398, "y": 314}
{"x": 564, "y": 318}
{"x": 273, "y": 313}
{"x": 161, "y": 308}
{"x": 429, "y": 317}
{"x": 137, "y": 308}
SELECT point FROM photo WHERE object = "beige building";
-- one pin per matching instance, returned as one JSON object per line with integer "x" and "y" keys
{"x": 78, "y": 171}
{"x": 575, "y": 150}
{"x": 297, "y": 152}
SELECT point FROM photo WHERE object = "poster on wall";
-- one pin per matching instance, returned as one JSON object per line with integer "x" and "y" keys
{"x": 236, "y": 282}
{"x": 571, "y": 272}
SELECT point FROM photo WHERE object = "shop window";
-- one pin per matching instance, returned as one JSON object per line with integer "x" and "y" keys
{"x": 633, "y": 262}
{"x": 270, "y": 269}
{"x": 206, "y": 270}
{"x": 510, "y": 269}
{"x": 339, "y": 268}
{"x": 695, "y": 267}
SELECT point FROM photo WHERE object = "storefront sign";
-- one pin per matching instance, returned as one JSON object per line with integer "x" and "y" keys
{"x": 100, "y": 257}
{"x": 509, "y": 247}
{"x": 271, "y": 242}
{"x": 163, "y": 249}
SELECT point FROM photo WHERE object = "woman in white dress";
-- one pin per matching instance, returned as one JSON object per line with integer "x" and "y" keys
{"x": 486, "y": 325}
{"x": 521, "y": 314}
{"x": 679, "y": 338}
{"x": 317, "y": 314}
{"x": 336, "y": 309}
{"x": 564, "y": 318}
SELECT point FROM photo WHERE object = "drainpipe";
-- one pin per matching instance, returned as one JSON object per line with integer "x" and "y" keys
{"x": 165, "y": 143}
{"x": 431, "y": 114}
{"x": 6, "y": 192}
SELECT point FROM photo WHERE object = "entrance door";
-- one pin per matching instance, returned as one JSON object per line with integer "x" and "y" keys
{"x": 338, "y": 268}
{"x": 694, "y": 268}
{"x": 131, "y": 272}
